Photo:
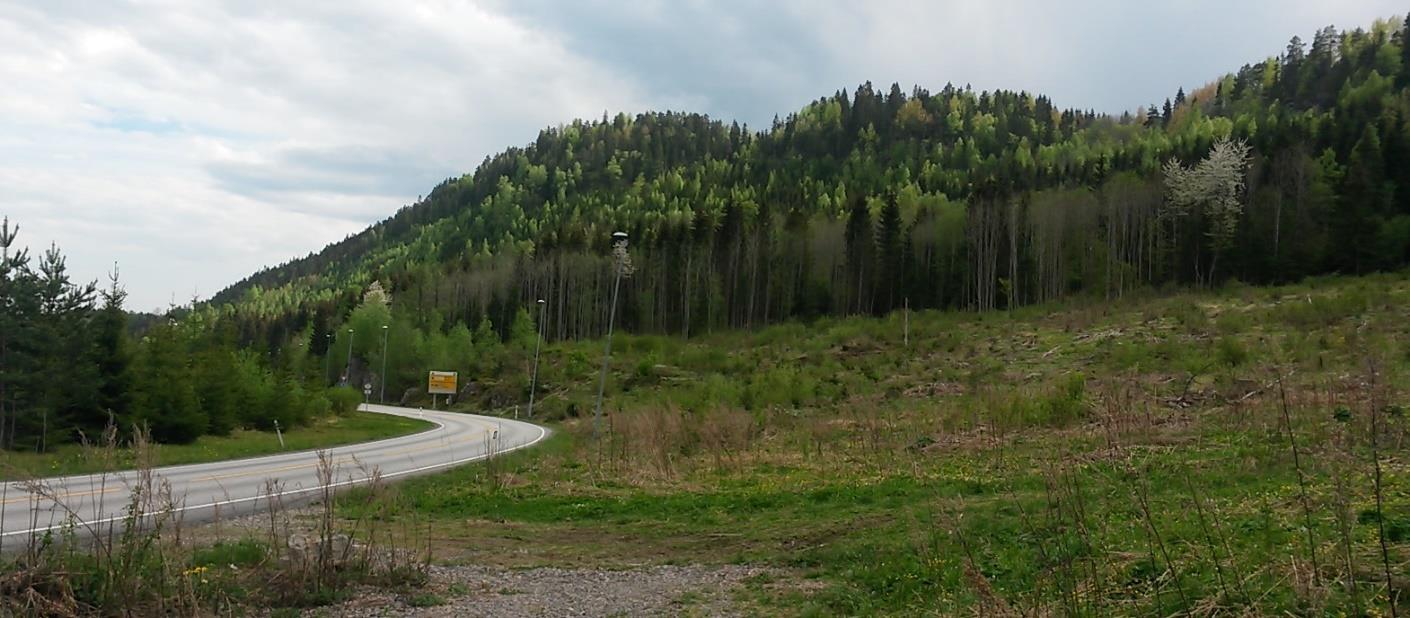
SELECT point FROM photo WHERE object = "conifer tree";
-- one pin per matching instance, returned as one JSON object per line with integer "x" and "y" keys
{"x": 889, "y": 247}
{"x": 1365, "y": 201}
{"x": 113, "y": 358}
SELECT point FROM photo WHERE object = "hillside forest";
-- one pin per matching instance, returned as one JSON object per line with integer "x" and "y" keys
{"x": 862, "y": 203}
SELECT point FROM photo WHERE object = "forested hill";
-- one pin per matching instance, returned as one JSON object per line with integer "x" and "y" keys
{"x": 864, "y": 201}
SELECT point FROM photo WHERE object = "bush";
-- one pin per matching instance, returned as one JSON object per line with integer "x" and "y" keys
{"x": 316, "y": 405}
{"x": 1312, "y": 312}
{"x": 1067, "y": 402}
{"x": 1234, "y": 321}
{"x": 1062, "y": 404}
{"x": 1189, "y": 315}
{"x": 1230, "y": 351}
{"x": 343, "y": 400}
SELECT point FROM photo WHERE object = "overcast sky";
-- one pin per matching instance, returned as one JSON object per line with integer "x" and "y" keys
{"x": 195, "y": 142}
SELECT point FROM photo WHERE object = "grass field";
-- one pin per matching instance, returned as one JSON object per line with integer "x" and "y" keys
{"x": 1240, "y": 451}
{"x": 325, "y": 432}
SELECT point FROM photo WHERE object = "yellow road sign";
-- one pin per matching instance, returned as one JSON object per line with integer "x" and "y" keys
{"x": 441, "y": 383}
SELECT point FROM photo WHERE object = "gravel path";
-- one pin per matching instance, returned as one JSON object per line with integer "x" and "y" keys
{"x": 481, "y": 591}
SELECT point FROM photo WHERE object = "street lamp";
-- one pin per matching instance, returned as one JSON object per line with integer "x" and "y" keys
{"x": 538, "y": 340}
{"x": 347, "y": 378}
{"x": 383, "y": 396}
{"x": 328, "y": 358}
{"x": 619, "y": 252}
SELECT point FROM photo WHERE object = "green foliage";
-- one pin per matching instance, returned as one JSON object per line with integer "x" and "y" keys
{"x": 1230, "y": 352}
{"x": 522, "y": 331}
{"x": 169, "y": 407}
{"x": 425, "y": 599}
{"x": 867, "y": 201}
{"x": 1060, "y": 404}
{"x": 862, "y": 202}
{"x": 241, "y": 553}
{"x": 343, "y": 400}
{"x": 1024, "y": 460}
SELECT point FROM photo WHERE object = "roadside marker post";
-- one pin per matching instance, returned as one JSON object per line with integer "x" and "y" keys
{"x": 279, "y": 433}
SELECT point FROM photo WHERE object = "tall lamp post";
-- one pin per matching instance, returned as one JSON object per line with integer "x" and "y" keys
{"x": 538, "y": 340}
{"x": 619, "y": 253}
{"x": 347, "y": 378}
{"x": 328, "y": 358}
{"x": 383, "y": 396}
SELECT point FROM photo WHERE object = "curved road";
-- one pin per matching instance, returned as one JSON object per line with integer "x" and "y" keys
{"x": 227, "y": 488}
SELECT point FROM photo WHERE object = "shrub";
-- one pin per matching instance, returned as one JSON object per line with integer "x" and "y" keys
{"x": 1234, "y": 321}
{"x": 1230, "y": 351}
{"x": 343, "y": 400}
{"x": 1066, "y": 402}
{"x": 1189, "y": 315}
{"x": 1312, "y": 312}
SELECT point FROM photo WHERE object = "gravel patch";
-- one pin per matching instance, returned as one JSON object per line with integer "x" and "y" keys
{"x": 483, "y": 591}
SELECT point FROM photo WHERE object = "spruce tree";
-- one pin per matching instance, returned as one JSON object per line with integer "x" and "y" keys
{"x": 19, "y": 308}
{"x": 1403, "y": 79}
{"x": 66, "y": 381}
{"x": 859, "y": 254}
{"x": 1365, "y": 199}
{"x": 113, "y": 358}
{"x": 169, "y": 407}
{"x": 889, "y": 247}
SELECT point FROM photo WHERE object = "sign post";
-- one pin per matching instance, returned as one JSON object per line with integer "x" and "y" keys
{"x": 366, "y": 394}
{"x": 441, "y": 383}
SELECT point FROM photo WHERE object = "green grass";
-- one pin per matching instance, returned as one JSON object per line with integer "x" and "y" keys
{"x": 323, "y": 433}
{"x": 1090, "y": 458}
{"x": 241, "y": 553}
{"x": 425, "y": 599}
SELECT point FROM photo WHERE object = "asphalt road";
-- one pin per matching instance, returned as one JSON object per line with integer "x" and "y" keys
{"x": 202, "y": 492}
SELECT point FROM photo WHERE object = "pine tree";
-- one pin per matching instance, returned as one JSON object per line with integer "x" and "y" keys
{"x": 1289, "y": 78}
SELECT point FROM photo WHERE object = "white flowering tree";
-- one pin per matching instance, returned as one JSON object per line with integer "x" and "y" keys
{"x": 1214, "y": 188}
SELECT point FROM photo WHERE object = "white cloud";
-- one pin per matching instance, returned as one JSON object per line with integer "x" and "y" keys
{"x": 197, "y": 142}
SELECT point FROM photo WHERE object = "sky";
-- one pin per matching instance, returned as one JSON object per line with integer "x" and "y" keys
{"x": 193, "y": 143}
